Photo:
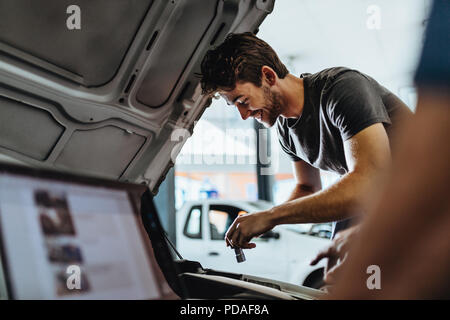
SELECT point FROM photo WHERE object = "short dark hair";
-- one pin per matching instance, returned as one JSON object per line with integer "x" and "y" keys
{"x": 239, "y": 58}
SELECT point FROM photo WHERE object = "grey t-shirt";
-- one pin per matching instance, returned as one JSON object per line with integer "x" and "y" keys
{"x": 339, "y": 103}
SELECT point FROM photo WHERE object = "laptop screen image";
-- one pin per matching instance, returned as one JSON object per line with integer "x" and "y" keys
{"x": 66, "y": 239}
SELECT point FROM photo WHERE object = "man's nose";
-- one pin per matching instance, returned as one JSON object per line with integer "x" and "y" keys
{"x": 245, "y": 112}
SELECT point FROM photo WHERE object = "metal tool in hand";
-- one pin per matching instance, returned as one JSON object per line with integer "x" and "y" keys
{"x": 240, "y": 257}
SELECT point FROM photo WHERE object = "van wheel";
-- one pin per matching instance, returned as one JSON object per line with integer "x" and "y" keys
{"x": 315, "y": 279}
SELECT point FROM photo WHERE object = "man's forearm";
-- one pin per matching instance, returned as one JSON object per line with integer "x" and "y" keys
{"x": 300, "y": 191}
{"x": 337, "y": 202}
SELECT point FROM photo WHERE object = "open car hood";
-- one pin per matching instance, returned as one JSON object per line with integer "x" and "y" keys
{"x": 115, "y": 98}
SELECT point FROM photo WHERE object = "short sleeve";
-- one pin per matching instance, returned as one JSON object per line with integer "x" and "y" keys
{"x": 354, "y": 104}
{"x": 434, "y": 65}
{"x": 283, "y": 136}
{"x": 289, "y": 152}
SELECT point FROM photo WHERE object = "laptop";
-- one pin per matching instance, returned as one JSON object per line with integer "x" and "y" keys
{"x": 71, "y": 237}
{"x": 75, "y": 237}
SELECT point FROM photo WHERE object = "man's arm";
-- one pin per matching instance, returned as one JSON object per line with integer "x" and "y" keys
{"x": 367, "y": 155}
{"x": 307, "y": 178}
{"x": 307, "y": 182}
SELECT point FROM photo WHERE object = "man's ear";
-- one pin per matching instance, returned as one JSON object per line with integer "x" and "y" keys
{"x": 269, "y": 75}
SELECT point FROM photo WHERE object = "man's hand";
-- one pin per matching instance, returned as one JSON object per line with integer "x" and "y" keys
{"x": 336, "y": 254}
{"x": 247, "y": 226}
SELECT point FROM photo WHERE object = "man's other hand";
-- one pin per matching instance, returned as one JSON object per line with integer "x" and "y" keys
{"x": 247, "y": 226}
{"x": 336, "y": 253}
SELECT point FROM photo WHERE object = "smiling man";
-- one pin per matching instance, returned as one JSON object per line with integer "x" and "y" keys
{"x": 338, "y": 120}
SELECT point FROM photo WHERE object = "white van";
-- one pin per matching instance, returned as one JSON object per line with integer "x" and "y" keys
{"x": 281, "y": 254}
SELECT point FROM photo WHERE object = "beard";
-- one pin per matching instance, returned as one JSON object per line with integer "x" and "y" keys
{"x": 273, "y": 107}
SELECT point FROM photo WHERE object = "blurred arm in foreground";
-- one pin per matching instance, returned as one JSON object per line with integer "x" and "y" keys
{"x": 407, "y": 233}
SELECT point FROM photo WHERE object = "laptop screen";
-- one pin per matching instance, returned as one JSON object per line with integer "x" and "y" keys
{"x": 62, "y": 239}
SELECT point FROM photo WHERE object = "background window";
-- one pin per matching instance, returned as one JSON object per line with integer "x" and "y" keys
{"x": 193, "y": 228}
{"x": 220, "y": 219}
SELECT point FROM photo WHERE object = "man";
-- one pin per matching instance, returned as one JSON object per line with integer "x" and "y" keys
{"x": 337, "y": 119}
